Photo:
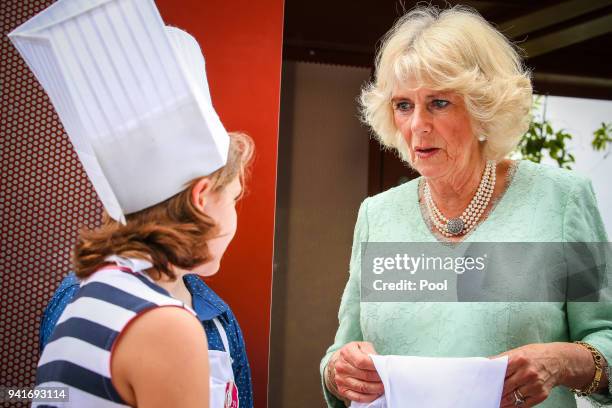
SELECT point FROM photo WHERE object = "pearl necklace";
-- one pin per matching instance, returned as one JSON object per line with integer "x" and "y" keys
{"x": 470, "y": 216}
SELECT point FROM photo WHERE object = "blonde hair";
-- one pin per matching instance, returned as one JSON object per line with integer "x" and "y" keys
{"x": 173, "y": 232}
{"x": 452, "y": 50}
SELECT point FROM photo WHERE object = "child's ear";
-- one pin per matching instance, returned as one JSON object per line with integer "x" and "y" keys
{"x": 200, "y": 193}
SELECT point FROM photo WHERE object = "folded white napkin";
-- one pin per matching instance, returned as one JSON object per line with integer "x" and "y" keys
{"x": 377, "y": 403}
{"x": 428, "y": 382}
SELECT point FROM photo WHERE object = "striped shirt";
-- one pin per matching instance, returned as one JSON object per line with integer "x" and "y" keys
{"x": 207, "y": 305}
{"x": 78, "y": 355}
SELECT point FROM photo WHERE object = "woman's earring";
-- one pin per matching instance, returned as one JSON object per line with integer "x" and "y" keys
{"x": 482, "y": 138}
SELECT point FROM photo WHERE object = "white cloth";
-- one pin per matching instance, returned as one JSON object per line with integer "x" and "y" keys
{"x": 427, "y": 382}
{"x": 132, "y": 95}
{"x": 379, "y": 402}
{"x": 133, "y": 264}
{"x": 223, "y": 392}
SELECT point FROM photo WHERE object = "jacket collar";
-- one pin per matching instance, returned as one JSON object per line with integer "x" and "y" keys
{"x": 206, "y": 303}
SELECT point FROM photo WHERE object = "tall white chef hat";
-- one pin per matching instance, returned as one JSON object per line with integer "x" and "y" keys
{"x": 132, "y": 95}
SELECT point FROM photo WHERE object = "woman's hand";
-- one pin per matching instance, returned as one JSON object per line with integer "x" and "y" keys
{"x": 535, "y": 369}
{"x": 353, "y": 374}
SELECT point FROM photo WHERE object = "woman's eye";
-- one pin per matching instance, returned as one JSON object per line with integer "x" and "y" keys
{"x": 403, "y": 106}
{"x": 440, "y": 103}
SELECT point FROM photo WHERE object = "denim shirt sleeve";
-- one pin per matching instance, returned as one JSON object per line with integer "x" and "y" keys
{"x": 62, "y": 296}
{"x": 240, "y": 365}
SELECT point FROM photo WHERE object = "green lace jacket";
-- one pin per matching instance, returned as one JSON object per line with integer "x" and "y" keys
{"x": 540, "y": 204}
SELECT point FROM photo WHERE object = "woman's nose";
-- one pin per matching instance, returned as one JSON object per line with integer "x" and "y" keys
{"x": 421, "y": 120}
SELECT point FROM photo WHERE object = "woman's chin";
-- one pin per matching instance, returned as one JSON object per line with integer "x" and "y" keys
{"x": 430, "y": 166}
{"x": 429, "y": 170}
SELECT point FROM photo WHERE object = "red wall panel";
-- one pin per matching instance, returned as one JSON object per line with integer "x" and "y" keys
{"x": 242, "y": 43}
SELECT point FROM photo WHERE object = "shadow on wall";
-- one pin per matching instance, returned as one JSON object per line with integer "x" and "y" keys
{"x": 322, "y": 179}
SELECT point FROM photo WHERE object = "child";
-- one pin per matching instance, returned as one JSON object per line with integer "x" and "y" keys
{"x": 220, "y": 325}
{"x": 133, "y": 97}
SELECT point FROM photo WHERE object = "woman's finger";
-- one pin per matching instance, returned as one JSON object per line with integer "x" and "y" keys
{"x": 357, "y": 397}
{"x": 534, "y": 392}
{"x": 346, "y": 369}
{"x": 511, "y": 384}
{"x": 362, "y": 387}
{"x": 366, "y": 347}
{"x": 355, "y": 356}
{"x": 515, "y": 374}
{"x": 515, "y": 363}
{"x": 531, "y": 391}
{"x": 508, "y": 402}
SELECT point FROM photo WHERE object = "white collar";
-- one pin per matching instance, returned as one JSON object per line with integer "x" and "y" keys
{"x": 134, "y": 264}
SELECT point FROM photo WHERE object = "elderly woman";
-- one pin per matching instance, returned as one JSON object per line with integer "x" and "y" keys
{"x": 452, "y": 97}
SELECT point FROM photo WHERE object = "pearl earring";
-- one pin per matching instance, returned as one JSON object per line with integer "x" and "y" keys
{"x": 482, "y": 138}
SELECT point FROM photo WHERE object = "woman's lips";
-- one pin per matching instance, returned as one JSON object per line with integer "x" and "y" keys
{"x": 425, "y": 152}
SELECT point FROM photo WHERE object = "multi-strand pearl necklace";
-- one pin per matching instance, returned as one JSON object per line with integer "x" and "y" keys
{"x": 471, "y": 215}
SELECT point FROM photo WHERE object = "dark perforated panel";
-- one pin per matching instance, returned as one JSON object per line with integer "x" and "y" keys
{"x": 45, "y": 199}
